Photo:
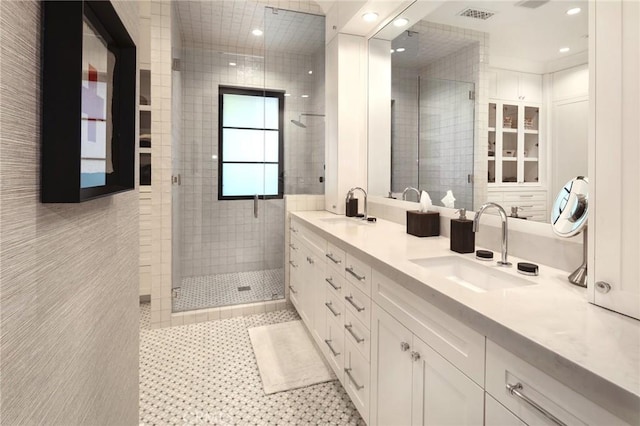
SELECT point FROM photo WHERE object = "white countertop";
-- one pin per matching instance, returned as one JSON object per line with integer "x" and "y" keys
{"x": 551, "y": 324}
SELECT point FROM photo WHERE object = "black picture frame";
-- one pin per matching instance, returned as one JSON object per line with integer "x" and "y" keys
{"x": 62, "y": 42}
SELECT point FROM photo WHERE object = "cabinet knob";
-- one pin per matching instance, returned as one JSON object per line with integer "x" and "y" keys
{"x": 603, "y": 287}
{"x": 415, "y": 356}
{"x": 404, "y": 346}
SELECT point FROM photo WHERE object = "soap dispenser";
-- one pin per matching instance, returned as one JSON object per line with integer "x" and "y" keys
{"x": 463, "y": 239}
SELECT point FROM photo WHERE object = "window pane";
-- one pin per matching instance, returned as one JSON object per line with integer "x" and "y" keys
{"x": 249, "y": 179}
{"x": 249, "y": 145}
{"x": 255, "y": 112}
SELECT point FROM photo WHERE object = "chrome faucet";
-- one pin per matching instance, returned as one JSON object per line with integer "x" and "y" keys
{"x": 350, "y": 194}
{"x": 408, "y": 189}
{"x": 503, "y": 217}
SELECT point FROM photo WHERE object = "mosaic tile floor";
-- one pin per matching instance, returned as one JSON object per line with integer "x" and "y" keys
{"x": 206, "y": 373}
{"x": 222, "y": 290}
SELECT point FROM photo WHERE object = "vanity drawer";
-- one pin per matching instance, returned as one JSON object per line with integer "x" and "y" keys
{"x": 333, "y": 347}
{"x": 311, "y": 240}
{"x": 506, "y": 371}
{"x": 295, "y": 244}
{"x": 523, "y": 196}
{"x": 358, "y": 273}
{"x": 358, "y": 304}
{"x": 334, "y": 307}
{"x": 335, "y": 283}
{"x": 457, "y": 343}
{"x": 357, "y": 379}
{"x": 336, "y": 258}
{"x": 356, "y": 333}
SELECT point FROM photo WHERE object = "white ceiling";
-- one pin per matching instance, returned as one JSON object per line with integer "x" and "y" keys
{"x": 227, "y": 24}
{"x": 533, "y": 35}
{"x": 422, "y": 48}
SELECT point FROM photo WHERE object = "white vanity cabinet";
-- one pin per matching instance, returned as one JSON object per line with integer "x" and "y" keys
{"x": 414, "y": 385}
{"x": 535, "y": 397}
{"x": 495, "y": 414}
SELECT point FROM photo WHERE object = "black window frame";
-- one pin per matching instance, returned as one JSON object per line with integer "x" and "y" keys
{"x": 232, "y": 90}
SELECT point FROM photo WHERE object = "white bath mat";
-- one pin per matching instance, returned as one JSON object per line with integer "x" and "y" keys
{"x": 287, "y": 358}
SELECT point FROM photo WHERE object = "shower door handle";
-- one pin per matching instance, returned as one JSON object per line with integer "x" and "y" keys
{"x": 255, "y": 206}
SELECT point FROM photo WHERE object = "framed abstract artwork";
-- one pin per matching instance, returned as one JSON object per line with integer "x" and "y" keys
{"x": 89, "y": 102}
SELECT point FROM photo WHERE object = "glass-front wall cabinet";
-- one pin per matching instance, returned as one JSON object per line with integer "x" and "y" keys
{"x": 513, "y": 143}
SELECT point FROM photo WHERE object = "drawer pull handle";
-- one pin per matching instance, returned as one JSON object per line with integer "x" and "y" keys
{"x": 349, "y": 328}
{"x": 525, "y": 207}
{"x": 330, "y": 281}
{"x": 329, "y": 305}
{"x": 310, "y": 260}
{"x": 293, "y": 289}
{"x": 352, "y": 272}
{"x": 293, "y": 246}
{"x": 292, "y": 263}
{"x": 355, "y": 384}
{"x": 526, "y": 196}
{"x": 516, "y": 389}
{"x": 333, "y": 351}
{"x": 350, "y": 300}
{"x": 333, "y": 259}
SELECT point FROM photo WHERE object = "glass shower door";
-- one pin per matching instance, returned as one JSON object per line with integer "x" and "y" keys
{"x": 446, "y": 139}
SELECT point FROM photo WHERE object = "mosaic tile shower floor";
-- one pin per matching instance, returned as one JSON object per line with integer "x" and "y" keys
{"x": 206, "y": 373}
{"x": 213, "y": 291}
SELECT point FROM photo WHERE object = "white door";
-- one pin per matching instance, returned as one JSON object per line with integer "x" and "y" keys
{"x": 391, "y": 370}
{"x": 442, "y": 394}
{"x": 614, "y": 156}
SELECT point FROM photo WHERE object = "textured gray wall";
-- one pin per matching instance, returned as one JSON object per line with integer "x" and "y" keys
{"x": 68, "y": 273}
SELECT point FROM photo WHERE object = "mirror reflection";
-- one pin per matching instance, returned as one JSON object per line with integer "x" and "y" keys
{"x": 489, "y": 99}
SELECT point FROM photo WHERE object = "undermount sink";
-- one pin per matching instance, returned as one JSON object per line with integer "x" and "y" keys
{"x": 471, "y": 275}
{"x": 344, "y": 219}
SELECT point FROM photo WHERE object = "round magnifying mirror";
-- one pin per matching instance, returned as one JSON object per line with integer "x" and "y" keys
{"x": 569, "y": 217}
{"x": 571, "y": 208}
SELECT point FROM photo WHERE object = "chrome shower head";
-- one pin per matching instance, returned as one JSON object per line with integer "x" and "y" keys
{"x": 299, "y": 124}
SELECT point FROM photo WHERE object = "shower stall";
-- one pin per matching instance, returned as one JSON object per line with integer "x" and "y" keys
{"x": 251, "y": 133}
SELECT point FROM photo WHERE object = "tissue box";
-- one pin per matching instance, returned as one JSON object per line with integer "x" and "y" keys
{"x": 423, "y": 224}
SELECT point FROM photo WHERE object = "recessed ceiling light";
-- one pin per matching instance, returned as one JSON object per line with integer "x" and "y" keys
{"x": 304, "y": 96}
{"x": 233, "y": 64}
{"x": 370, "y": 16}
{"x": 392, "y": 50}
{"x": 400, "y": 49}
{"x": 287, "y": 94}
{"x": 400, "y": 22}
{"x": 564, "y": 49}
{"x": 574, "y": 11}
{"x": 310, "y": 72}
{"x": 257, "y": 32}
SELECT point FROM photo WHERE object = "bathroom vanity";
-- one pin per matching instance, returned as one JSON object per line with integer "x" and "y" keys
{"x": 418, "y": 334}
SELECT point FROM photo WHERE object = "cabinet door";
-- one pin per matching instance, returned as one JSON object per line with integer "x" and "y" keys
{"x": 507, "y": 85}
{"x": 496, "y": 415}
{"x": 530, "y": 87}
{"x": 442, "y": 394}
{"x": 614, "y": 155}
{"x": 391, "y": 370}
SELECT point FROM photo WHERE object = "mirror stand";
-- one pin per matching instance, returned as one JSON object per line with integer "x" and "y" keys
{"x": 579, "y": 276}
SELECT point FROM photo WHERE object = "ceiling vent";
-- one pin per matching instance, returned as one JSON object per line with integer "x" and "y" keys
{"x": 476, "y": 14}
{"x": 532, "y": 4}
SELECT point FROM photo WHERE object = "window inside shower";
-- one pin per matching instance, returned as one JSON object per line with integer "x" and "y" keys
{"x": 228, "y": 247}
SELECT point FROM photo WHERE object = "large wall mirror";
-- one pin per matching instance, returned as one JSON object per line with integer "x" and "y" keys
{"x": 488, "y": 99}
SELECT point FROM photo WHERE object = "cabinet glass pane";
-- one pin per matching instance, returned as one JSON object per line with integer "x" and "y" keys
{"x": 492, "y": 170}
{"x": 492, "y": 144}
{"x": 531, "y": 171}
{"x": 510, "y": 116}
{"x": 145, "y": 129}
{"x": 145, "y": 87}
{"x": 510, "y": 145}
{"x": 530, "y": 146}
{"x": 492, "y": 115}
{"x": 145, "y": 169}
{"x": 531, "y": 118}
{"x": 509, "y": 170}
